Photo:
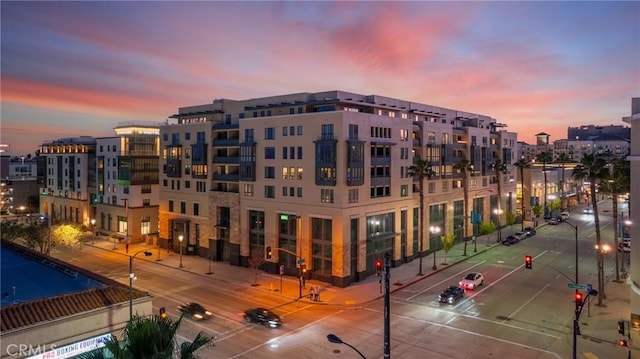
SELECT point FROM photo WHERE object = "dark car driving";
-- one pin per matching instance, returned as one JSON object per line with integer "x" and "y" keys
{"x": 195, "y": 311}
{"x": 451, "y": 294}
{"x": 262, "y": 316}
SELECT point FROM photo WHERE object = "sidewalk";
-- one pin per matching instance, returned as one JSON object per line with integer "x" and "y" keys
{"x": 355, "y": 294}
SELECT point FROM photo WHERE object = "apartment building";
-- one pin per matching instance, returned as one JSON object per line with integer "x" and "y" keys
{"x": 127, "y": 182}
{"x": 66, "y": 172}
{"x": 321, "y": 179}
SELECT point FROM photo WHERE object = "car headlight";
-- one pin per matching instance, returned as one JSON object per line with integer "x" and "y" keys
{"x": 199, "y": 316}
{"x": 208, "y": 313}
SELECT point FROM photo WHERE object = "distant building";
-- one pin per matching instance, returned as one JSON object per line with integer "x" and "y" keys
{"x": 599, "y": 133}
{"x": 126, "y": 196}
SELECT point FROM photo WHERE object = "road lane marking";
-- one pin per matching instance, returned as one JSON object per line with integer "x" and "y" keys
{"x": 525, "y": 303}
{"x": 445, "y": 280}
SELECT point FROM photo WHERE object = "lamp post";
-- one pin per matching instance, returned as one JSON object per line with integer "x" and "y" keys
{"x": 335, "y": 339}
{"x": 131, "y": 276}
{"x": 602, "y": 251}
{"x": 180, "y": 238}
{"x": 434, "y": 230}
{"x": 498, "y": 213}
{"x": 93, "y": 230}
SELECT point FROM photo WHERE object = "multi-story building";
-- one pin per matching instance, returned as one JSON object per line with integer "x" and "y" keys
{"x": 597, "y": 133}
{"x": 127, "y": 190}
{"x": 238, "y": 177}
{"x": 66, "y": 171}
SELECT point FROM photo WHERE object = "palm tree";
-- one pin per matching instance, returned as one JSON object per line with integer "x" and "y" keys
{"x": 593, "y": 170}
{"x": 150, "y": 337}
{"x": 562, "y": 158}
{"x": 545, "y": 157}
{"x": 522, "y": 164}
{"x": 618, "y": 182}
{"x": 464, "y": 166}
{"x": 420, "y": 171}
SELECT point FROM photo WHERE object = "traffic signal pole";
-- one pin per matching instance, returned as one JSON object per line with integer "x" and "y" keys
{"x": 387, "y": 334}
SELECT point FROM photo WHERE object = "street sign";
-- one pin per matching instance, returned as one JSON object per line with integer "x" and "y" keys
{"x": 589, "y": 287}
{"x": 301, "y": 261}
{"x": 281, "y": 269}
{"x": 577, "y": 286}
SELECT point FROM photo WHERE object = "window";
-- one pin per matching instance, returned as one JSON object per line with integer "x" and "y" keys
{"x": 187, "y": 136}
{"x": 353, "y": 195}
{"x": 404, "y": 190}
{"x": 404, "y": 134}
{"x": 269, "y": 172}
{"x": 145, "y": 225}
{"x": 285, "y": 191}
{"x": 292, "y": 173}
{"x": 284, "y": 152}
{"x": 353, "y": 132}
{"x": 299, "y": 130}
{"x": 187, "y": 184}
{"x": 326, "y": 195}
{"x": 327, "y": 131}
{"x": 285, "y": 131}
{"x": 183, "y": 207}
{"x": 248, "y": 190}
{"x": 285, "y": 172}
{"x": 299, "y": 191}
{"x": 270, "y": 133}
{"x": 292, "y": 191}
{"x": 196, "y": 209}
{"x": 248, "y": 135}
{"x": 201, "y": 186}
{"x": 170, "y": 206}
{"x": 432, "y": 187}
{"x": 321, "y": 246}
{"x": 146, "y": 202}
{"x": 292, "y": 130}
{"x": 269, "y": 192}
{"x": 299, "y": 152}
{"x": 269, "y": 153}
{"x": 292, "y": 152}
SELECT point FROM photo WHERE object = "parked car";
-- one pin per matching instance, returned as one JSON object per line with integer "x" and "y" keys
{"x": 262, "y": 316}
{"x": 520, "y": 236}
{"x": 564, "y": 216}
{"x": 529, "y": 231}
{"x": 472, "y": 280}
{"x": 554, "y": 221}
{"x": 195, "y": 311}
{"x": 451, "y": 295}
{"x": 509, "y": 240}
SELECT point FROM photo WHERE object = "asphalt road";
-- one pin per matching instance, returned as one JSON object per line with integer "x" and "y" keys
{"x": 517, "y": 313}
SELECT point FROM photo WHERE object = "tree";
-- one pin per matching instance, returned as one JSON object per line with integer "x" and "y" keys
{"x": 255, "y": 261}
{"x": 487, "y": 228}
{"x": 150, "y": 337}
{"x": 420, "y": 171}
{"x": 522, "y": 164}
{"x": 545, "y": 157}
{"x": 562, "y": 158}
{"x": 36, "y": 236}
{"x": 500, "y": 168}
{"x": 618, "y": 182}
{"x": 447, "y": 243}
{"x": 11, "y": 230}
{"x": 464, "y": 167}
{"x": 67, "y": 234}
{"x": 593, "y": 170}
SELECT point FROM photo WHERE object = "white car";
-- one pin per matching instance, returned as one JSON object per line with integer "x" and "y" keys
{"x": 472, "y": 280}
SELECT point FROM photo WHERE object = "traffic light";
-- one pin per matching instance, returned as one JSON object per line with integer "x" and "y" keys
{"x": 163, "y": 313}
{"x": 623, "y": 343}
{"x": 269, "y": 253}
{"x": 528, "y": 261}
{"x": 578, "y": 297}
{"x": 303, "y": 268}
{"x": 621, "y": 327}
{"x": 378, "y": 267}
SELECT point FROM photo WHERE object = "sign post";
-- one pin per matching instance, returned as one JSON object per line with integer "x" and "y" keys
{"x": 281, "y": 273}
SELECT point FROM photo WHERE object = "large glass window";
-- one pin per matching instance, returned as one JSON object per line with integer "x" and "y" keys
{"x": 288, "y": 234}
{"x": 256, "y": 234}
{"x": 321, "y": 236}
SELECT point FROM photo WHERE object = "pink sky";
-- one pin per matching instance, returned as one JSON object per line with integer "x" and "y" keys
{"x": 79, "y": 68}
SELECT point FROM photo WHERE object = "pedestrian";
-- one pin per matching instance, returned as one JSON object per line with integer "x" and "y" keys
{"x": 304, "y": 281}
{"x": 317, "y": 294}
{"x": 311, "y": 293}
{"x": 126, "y": 244}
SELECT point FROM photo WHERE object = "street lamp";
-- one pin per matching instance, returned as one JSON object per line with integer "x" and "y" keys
{"x": 498, "y": 213}
{"x": 602, "y": 251}
{"x": 180, "y": 238}
{"x": 93, "y": 229}
{"x": 335, "y": 339}
{"x": 435, "y": 230}
{"x": 131, "y": 276}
